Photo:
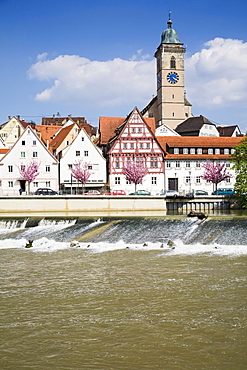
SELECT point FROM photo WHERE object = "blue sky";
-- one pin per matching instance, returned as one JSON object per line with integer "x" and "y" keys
{"x": 95, "y": 58}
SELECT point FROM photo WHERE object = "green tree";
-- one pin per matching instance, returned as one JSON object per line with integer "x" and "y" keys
{"x": 239, "y": 158}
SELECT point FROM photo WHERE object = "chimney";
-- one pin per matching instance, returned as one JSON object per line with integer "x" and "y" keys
{"x": 18, "y": 117}
{"x": 9, "y": 118}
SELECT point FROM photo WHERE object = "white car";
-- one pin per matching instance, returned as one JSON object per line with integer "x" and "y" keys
{"x": 170, "y": 194}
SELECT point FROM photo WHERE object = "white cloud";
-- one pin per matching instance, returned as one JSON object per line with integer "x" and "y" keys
{"x": 217, "y": 75}
{"x": 93, "y": 83}
{"x": 215, "y": 79}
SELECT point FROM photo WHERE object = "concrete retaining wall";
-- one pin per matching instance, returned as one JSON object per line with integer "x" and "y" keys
{"x": 79, "y": 205}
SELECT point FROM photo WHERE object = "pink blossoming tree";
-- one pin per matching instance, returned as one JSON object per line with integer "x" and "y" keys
{"x": 215, "y": 173}
{"x": 29, "y": 172}
{"x": 134, "y": 172}
{"x": 81, "y": 172}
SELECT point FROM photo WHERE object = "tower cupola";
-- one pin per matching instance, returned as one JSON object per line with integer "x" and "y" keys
{"x": 170, "y": 36}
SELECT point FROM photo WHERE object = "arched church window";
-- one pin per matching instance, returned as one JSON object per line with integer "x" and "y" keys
{"x": 173, "y": 63}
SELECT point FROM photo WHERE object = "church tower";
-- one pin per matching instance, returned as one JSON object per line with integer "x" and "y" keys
{"x": 172, "y": 105}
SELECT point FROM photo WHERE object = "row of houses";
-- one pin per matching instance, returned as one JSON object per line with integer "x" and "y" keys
{"x": 173, "y": 158}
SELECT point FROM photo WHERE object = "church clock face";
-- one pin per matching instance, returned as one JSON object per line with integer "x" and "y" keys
{"x": 172, "y": 77}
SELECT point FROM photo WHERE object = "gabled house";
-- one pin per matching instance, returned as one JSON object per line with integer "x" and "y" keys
{"x": 63, "y": 138}
{"x": 26, "y": 149}
{"x": 132, "y": 139}
{"x": 197, "y": 126}
{"x": 184, "y": 157}
{"x": 165, "y": 130}
{"x": 82, "y": 149}
{"x": 229, "y": 131}
{"x": 65, "y": 121}
{"x": 11, "y": 130}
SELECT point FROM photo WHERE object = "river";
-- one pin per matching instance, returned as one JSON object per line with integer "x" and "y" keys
{"x": 123, "y": 293}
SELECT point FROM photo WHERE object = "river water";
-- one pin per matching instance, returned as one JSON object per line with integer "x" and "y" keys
{"x": 137, "y": 293}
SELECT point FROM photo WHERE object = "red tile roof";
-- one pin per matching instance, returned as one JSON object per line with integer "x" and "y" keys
{"x": 108, "y": 125}
{"x": 47, "y": 132}
{"x": 4, "y": 151}
{"x": 198, "y": 141}
{"x": 60, "y": 137}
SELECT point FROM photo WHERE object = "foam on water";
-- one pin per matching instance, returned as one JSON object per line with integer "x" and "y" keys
{"x": 179, "y": 248}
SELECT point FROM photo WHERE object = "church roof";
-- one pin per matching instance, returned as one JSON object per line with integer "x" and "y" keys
{"x": 192, "y": 125}
{"x": 170, "y": 36}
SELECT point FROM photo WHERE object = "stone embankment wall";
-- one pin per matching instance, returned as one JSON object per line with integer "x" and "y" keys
{"x": 80, "y": 205}
{"x": 106, "y": 205}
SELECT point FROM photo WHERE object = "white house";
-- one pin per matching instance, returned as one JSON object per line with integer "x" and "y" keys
{"x": 26, "y": 149}
{"x": 82, "y": 149}
{"x": 185, "y": 156}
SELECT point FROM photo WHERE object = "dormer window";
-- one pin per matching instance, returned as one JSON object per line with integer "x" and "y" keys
{"x": 173, "y": 63}
{"x": 176, "y": 151}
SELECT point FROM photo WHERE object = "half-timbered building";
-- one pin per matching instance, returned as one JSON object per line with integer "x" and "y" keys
{"x": 132, "y": 140}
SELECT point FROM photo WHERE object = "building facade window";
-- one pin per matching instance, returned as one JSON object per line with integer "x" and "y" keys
{"x": 141, "y": 145}
{"x": 117, "y": 180}
{"x": 148, "y": 145}
{"x": 47, "y": 184}
{"x": 117, "y": 163}
{"x": 23, "y": 142}
{"x": 187, "y": 164}
{"x": 35, "y": 154}
{"x": 77, "y": 153}
{"x": 226, "y": 151}
{"x": 192, "y": 151}
{"x": 168, "y": 164}
{"x": 11, "y": 184}
{"x": 154, "y": 180}
{"x": 173, "y": 63}
{"x": 217, "y": 151}
{"x": 185, "y": 151}
{"x": 124, "y": 145}
{"x": 132, "y": 146}
{"x": 154, "y": 162}
{"x": 47, "y": 168}
{"x": 10, "y": 168}
{"x": 35, "y": 184}
{"x": 23, "y": 154}
{"x": 187, "y": 179}
{"x": 199, "y": 151}
{"x": 198, "y": 164}
{"x": 210, "y": 151}
{"x": 139, "y": 130}
{"x": 176, "y": 151}
{"x": 177, "y": 164}
{"x": 85, "y": 153}
{"x": 198, "y": 179}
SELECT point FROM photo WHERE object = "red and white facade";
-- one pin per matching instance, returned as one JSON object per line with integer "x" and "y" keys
{"x": 135, "y": 141}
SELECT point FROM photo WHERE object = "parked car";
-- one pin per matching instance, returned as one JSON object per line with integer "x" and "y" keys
{"x": 92, "y": 192}
{"x": 224, "y": 191}
{"x": 170, "y": 194}
{"x": 196, "y": 193}
{"x": 141, "y": 192}
{"x": 45, "y": 191}
{"x": 116, "y": 192}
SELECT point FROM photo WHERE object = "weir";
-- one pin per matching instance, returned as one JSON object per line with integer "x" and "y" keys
{"x": 138, "y": 230}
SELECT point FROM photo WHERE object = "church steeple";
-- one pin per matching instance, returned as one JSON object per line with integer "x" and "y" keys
{"x": 171, "y": 107}
{"x": 170, "y": 36}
